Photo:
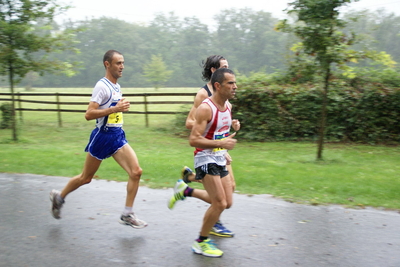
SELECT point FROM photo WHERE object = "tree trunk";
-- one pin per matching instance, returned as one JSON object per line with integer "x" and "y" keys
{"x": 13, "y": 120}
{"x": 323, "y": 114}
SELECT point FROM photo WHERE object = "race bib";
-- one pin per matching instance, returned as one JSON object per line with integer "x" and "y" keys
{"x": 220, "y": 137}
{"x": 115, "y": 119}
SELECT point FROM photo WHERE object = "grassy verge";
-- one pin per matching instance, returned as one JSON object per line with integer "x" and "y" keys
{"x": 350, "y": 175}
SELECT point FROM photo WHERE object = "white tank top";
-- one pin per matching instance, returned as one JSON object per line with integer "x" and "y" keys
{"x": 107, "y": 94}
{"x": 217, "y": 129}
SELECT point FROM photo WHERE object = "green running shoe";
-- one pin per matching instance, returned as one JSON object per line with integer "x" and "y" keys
{"x": 207, "y": 248}
{"x": 179, "y": 188}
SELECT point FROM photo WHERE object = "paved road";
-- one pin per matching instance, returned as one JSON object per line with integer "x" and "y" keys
{"x": 269, "y": 232}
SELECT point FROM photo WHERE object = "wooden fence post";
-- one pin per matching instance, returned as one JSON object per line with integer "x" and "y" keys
{"x": 58, "y": 110}
{"x": 145, "y": 110}
{"x": 20, "y": 107}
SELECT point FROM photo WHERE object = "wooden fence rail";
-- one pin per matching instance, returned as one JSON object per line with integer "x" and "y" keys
{"x": 21, "y": 98}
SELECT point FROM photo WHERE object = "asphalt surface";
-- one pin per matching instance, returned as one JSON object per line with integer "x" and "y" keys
{"x": 269, "y": 231}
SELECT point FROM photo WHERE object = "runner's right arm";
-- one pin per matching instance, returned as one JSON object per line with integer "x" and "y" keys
{"x": 93, "y": 111}
{"x": 200, "y": 96}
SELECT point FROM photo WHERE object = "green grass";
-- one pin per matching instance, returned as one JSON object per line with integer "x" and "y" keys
{"x": 349, "y": 175}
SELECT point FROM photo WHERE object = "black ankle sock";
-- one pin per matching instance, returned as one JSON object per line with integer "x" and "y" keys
{"x": 188, "y": 192}
{"x": 201, "y": 238}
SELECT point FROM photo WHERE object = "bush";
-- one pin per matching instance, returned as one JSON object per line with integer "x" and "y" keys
{"x": 6, "y": 114}
{"x": 358, "y": 111}
{"x": 179, "y": 122}
{"x": 277, "y": 113}
{"x": 292, "y": 112}
{"x": 387, "y": 77}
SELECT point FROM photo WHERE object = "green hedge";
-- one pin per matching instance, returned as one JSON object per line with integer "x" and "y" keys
{"x": 292, "y": 112}
{"x": 6, "y": 115}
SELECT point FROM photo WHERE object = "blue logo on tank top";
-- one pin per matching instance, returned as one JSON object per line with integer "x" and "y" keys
{"x": 221, "y": 136}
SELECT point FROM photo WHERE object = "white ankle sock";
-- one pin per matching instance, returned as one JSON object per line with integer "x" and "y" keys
{"x": 127, "y": 210}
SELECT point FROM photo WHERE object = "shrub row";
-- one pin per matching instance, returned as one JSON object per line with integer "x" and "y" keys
{"x": 6, "y": 115}
{"x": 292, "y": 112}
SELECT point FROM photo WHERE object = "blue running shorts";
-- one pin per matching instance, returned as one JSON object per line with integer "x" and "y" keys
{"x": 103, "y": 144}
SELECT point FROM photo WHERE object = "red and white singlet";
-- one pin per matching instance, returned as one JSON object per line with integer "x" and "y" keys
{"x": 217, "y": 129}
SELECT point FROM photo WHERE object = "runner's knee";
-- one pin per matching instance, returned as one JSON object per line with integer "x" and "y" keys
{"x": 136, "y": 174}
{"x": 85, "y": 179}
{"x": 221, "y": 205}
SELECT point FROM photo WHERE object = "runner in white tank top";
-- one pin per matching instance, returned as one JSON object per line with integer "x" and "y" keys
{"x": 210, "y": 65}
{"x": 107, "y": 139}
{"x": 210, "y": 136}
{"x": 217, "y": 129}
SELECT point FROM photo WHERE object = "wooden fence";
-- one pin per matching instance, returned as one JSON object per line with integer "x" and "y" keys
{"x": 21, "y": 98}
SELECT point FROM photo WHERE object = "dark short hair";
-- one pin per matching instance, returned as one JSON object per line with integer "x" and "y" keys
{"x": 108, "y": 56}
{"x": 211, "y": 62}
{"x": 219, "y": 76}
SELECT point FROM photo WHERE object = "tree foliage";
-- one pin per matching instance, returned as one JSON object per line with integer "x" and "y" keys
{"x": 248, "y": 39}
{"x": 25, "y": 31}
{"x": 26, "y": 28}
{"x": 156, "y": 71}
{"x": 322, "y": 38}
{"x": 182, "y": 43}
